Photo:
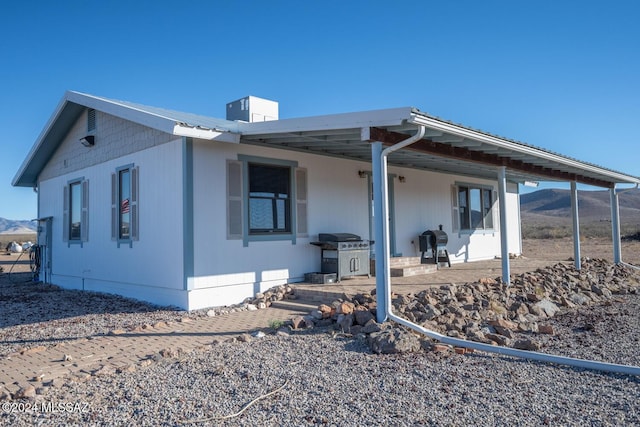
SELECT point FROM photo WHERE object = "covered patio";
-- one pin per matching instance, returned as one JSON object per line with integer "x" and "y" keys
{"x": 407, "y": 137}
{"x": 537, "y": 253}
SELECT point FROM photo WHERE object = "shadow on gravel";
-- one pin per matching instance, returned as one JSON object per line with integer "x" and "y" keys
{"x": 23, "y": 302}
{"x": 489, "y": 358}
{"x": 51, "y": 341}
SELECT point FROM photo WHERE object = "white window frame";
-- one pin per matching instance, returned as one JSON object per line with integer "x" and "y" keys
{"x": 83, "y": 207}
{"x": 131, "y": 205}
{"x": 488, "y": 219}
{"x": 238, "y": 201}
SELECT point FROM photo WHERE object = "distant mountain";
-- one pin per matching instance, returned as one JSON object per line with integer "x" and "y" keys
{"x": 592, "y": 205}
{"x": 8, "y": 226}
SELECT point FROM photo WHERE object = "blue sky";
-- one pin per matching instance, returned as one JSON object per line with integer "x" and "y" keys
{"x": 562, "y": 75}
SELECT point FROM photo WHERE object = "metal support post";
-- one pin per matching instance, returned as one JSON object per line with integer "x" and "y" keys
{"x": 378, "y": 225}
{"x": 576, "y": 225}
{"x": 615, "y": 225}
{"x": 504, "y": 233}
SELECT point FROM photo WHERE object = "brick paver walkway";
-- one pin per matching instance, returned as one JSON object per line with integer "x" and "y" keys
{"x": 128, "y": 350}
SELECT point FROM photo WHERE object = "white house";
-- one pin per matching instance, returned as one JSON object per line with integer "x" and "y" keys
{"x": 193, "y": 211}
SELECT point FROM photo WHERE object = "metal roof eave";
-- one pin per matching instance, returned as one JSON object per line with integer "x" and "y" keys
{"x": 531, "y": 154}
{"x": 42, "y": 149}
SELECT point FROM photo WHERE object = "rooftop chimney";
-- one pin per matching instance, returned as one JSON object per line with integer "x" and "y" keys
{"x": 252, "y": 109}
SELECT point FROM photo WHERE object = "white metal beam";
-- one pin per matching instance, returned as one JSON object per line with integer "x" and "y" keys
{"x": 504, "y": 234}
{"x": 379, "y": 226}
{"x": 615, "y": 225}
{"x": 576, "y": 225}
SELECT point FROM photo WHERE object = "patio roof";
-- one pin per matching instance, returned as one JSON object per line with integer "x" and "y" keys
{"x": 446, "y": 147}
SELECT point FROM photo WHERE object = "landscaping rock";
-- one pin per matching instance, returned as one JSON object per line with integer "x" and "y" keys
{"x": 298, "y": 322}
{"x": 345, "y": 308}
{"x": 362, "y": 317}
{"x": 345, "y": 321}
{"x": 527, "y": 345}
{"x": 371, "y": 327}
{"x": 548, "y": 307}
{"x": 546, "y": 329}
{"x": 489, "y": 311}
{"x": 393, "y": 341}
{"x": 325, "y": 311}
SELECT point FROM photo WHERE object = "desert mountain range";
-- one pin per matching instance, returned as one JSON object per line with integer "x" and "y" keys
{"x": 592, "y": 205}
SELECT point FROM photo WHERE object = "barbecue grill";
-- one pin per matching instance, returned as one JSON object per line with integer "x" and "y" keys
{"x": 344, "y": 254}
{"x": 434, "y": 242}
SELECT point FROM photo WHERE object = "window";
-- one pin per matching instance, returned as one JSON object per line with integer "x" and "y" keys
{"x": 76, "y": 211}
{"x": 269, "y": 199}
{"x": 266, "y": 199}
{"x": 124, "y": 196}
{"x": 124, "y": 204}
{"x": 474, "y": 205}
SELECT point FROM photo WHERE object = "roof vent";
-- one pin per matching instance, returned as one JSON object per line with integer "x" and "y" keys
{"x": 91, "y": 120}
{"x": 252, "y": 109}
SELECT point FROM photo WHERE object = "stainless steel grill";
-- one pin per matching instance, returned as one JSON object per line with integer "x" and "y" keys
{"x": 344, "y": 254}
{"x": 434, "y": 243}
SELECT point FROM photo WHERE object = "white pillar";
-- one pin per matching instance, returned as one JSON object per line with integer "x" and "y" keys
{"x": 576, "y": 225}
{"x": 504, "y": 234}
{"x": 615, "y": 225}
{"x": 379, "y": 218}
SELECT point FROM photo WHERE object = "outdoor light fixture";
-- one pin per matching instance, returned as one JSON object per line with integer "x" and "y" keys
{"x": 402, "y": 178}
{"x": 362, "y": 174}
{"x": 88, "y": 141}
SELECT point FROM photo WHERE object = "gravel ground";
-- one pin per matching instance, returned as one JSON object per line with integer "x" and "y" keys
{"x": 330, "y": 379}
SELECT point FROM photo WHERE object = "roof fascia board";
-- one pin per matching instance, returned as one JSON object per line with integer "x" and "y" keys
{"x": 388, "y": 117}
{"x": 72, "y": 102}
{"x": 126, "y": 112}
{"x": 421, "y": 119}
{"x": 62, "y": 108}
{"x": 207, "y": 134}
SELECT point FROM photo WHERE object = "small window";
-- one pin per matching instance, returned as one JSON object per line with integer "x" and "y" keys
{"x": 124, "y": 191}
{"x": 91, "y": 120}
{"x": 76, "y": 211}
{"x": 124, "y": 204}
{"x": 475, "y": 207}
{"x": 269, "y": 199}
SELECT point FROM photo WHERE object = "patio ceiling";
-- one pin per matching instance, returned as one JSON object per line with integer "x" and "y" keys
{"x": 446, "y": 147}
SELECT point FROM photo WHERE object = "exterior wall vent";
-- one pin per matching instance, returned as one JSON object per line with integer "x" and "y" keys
{"x": 252, "y": 109}
{"x": 91, "y": 120}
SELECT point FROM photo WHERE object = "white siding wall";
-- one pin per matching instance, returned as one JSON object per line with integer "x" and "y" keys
{"x": 151, "y": 269}
{"x": 423, "y": 202}
{"x": 227, "y": 272}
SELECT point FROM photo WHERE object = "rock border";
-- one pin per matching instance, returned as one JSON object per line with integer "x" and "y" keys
{"x": 486, "y": 311}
